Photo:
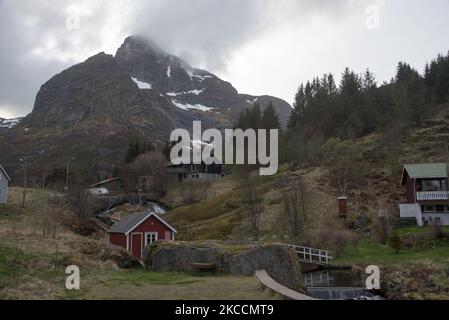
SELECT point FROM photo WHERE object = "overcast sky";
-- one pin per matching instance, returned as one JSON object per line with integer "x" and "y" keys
{"x": 260, "y": 46}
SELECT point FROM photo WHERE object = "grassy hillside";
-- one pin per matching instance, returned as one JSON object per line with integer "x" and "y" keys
{"x": 32, "y": 264}
{"x": 222, "y": 214}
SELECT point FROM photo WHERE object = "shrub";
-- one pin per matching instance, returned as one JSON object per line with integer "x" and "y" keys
{"x": 396, "y": 243}
{"x": 331, "y": 239}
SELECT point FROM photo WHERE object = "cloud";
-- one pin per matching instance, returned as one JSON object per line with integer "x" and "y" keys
{"x": 206, "y": 32}
{"x": 40, "y": 38}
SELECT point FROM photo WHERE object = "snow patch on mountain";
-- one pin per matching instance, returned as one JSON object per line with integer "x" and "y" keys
{"x": 142, "y": 85}
{"x": 169, "y": 71}
{"x": 200, "y": 77}
{"x": 9, "y": 123}
{"x": 195, "y": 92}
{"x": 187, "y": 106}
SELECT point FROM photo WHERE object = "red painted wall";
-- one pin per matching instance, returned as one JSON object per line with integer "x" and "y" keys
{"x": 410, "y": 191}
{"x": 343, "y": 206}
{"x": 118, "y": 239}
{"x": 150, "y": 225}
{"x": 153, "y": 225}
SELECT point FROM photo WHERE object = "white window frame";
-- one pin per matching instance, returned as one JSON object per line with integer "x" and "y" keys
{"x": 149, "y": 234}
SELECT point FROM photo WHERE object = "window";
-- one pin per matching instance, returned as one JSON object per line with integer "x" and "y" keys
{"x": 434, "y": 185}
{"x": 150, "y": 238}
{"x": 435, "y": 209}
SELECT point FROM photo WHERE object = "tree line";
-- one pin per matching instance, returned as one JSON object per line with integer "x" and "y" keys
{"x": 358, "y": 106}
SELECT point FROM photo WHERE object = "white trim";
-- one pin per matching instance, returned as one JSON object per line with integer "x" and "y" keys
{"x": 149, "y": 216}
{"x": 6, "y": 173}
{"x": 150, "y": 233}
{"x": 127, "y": 242}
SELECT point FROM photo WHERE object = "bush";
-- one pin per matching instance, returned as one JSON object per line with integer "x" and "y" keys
{"x": 396, "y": 243}
{"x": 331, "y": 239}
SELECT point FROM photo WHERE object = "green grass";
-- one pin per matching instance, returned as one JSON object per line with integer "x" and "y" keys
{"x": 402, "y": 231}
{"x": 13, "y": 264}
{"x": 206, "y": 209}
{"x": 11, "y": 213}
{"x": 141, "y": 277}
{"x": 370, "y": 252}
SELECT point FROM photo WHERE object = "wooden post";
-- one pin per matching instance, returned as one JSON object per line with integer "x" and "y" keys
{"x": 24, "y": 187}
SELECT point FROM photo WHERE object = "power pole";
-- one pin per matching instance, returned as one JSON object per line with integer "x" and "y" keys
{"x": 25, "y": 178}
{"x": 67, "y": 180}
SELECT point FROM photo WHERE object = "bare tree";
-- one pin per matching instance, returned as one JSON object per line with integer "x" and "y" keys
{"x": 51, "y": 218}
{"x": 147, "y": 172}
{"x": 253, "y": 202}
{"x": 294, "y": 198}
{"x": 341, "y": 158}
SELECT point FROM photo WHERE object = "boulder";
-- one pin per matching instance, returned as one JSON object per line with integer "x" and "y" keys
{"x": 236, "y": 258}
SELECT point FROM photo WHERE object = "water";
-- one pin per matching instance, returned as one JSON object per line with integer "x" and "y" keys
{"x": 338, "y": 293}
{"x": 156, "y": 208}
{"x": 336, "y": 285}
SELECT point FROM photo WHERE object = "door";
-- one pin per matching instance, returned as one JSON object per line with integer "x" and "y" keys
{"x": 136, "y": 245}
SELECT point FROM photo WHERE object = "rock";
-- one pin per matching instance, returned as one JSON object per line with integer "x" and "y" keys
{"x": 241, "y": 259}
{"x": 123, "y": 258}
{"x": 99, "y": 103}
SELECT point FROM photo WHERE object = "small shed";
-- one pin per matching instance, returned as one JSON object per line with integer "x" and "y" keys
{"x": 343, "y": 206}
{"x": 4, "y": 181}
{"x": 138, "y": 230}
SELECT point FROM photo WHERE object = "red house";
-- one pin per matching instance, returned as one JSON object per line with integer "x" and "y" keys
{"x": 426, "y": 193}
{"x": 139, "y": 230}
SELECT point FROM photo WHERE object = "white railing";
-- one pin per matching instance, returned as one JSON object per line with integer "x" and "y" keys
{"x": 311, "y": 255}
{"x": 432, "y": 195}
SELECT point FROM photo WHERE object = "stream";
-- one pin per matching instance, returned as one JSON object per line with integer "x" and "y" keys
{"x": 337, "y": 285}
{"x": 156, "y": 207}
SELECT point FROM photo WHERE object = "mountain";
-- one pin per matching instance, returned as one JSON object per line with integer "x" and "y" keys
{"x": 92, "y": 110}
{"x": 6, "y": 124}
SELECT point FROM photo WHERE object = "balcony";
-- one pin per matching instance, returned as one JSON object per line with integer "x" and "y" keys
{"x": 432, "y": 195}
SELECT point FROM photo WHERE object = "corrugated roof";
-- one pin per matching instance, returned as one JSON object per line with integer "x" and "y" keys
{"x": 426, "y": 170}
{"x": 5, "y": 173}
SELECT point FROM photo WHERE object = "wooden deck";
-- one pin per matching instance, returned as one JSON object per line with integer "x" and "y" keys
{"x": 285, "y": 292}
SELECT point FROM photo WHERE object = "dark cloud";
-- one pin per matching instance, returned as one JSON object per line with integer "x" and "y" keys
{"x": 36, "y": 44}
{"x": 207, "y": 31}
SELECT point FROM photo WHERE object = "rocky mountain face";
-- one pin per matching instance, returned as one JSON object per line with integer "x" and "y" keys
{"x": 6, "y": 124}
{"x": 92, "y": 110}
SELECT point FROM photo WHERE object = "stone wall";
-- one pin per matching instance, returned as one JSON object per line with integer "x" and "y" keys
{"x": 236, "y": 258}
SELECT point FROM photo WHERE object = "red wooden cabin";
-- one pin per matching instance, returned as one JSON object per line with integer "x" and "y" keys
{"x": 138, "y": 230}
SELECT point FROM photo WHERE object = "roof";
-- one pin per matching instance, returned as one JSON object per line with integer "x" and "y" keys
{"x": 5, "y": 173}
{"x": 425, "y": 170}
{"x": 104, "y": 182}
{"x": 134, "y": 220}
{"x": 187, "y": 160}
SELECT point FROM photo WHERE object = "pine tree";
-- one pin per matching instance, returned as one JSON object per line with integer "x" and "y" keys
{"x": 368, "y": 80}
{"x": 270, "y": 119}
{"x": 350, "y": 83}
{"x": 299, "y": 108}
